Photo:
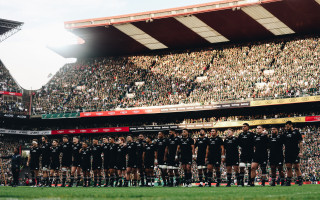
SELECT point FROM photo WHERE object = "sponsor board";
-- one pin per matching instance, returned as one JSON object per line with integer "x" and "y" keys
{"x": 285, "y": 101}
{"x": 11, "y": 93}
{"x": 91, "y": 130}
{"x": 22, "y": 132}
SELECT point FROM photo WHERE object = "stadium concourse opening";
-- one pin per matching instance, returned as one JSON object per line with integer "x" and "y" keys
{"x": 218, "y": 94}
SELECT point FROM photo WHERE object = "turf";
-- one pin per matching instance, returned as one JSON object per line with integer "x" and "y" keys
{"x": 293, "y": 192}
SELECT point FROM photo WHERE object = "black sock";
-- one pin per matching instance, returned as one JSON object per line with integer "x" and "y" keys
{"x": 107, "y": 180}
{"x": 72, "y": 180}
{"x": 218, "y": 174}
{"x": 64, "y": 179}
{"x": 249, "y": 173}
{"x": 200, "y": 178}
{"x": 100, "y": 178}
{"x": 38, "y": 180}
{"x": 229, "y": 176}
{"x": 300, "y": 179}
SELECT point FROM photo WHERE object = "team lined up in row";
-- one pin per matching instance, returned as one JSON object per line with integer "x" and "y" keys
{"x": 124, "y": 159}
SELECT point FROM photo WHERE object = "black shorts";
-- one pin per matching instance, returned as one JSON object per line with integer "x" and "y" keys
{"x": 139, "y": 163}
{"x": 132, "y": 163}
{"x": 172, "y": 163}
{"x": 96, "y": 165}
{"x": 45, "y": 164}
{"x": 112, "y": 164}
{"x": 121, "y": 166}
{"x": 292, "y": 158}
{"x": 201, "y": 161}
{"x": 76, "y": 163}
{"x": 246, "y": 158}
{"x": 215, "y": 160}
{"x": 34, "y": 165}
{"x": 161, "y": 161}
{"x": 106, "y": 164}
{"x": 186, "y": 159}
{"x": 232, "y": 161}
{"x": 66, "y": 162}
{"x": 55, "y": 166}
{"x": 260, "y": 159}
{"x": 86, "y": 167}
{"x": 276, "y": 161}
{"x": 149, "y": 164}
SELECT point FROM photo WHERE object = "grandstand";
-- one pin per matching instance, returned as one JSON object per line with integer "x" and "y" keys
{"x": 215, "y": 65}
{"x": 8, "y": 28}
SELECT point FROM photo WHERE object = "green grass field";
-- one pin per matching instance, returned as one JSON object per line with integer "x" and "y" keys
{"x": 293, "y": 192}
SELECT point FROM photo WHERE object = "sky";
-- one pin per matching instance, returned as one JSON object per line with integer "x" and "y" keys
{"x": 26, "y": 55}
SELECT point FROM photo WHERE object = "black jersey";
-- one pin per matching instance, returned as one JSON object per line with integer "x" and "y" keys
{"x": 96, "y": 151}
{"x": 246, "y": 142}
{"x": 85, "y": 155}
{"x": 149, "y": 150}
{"x": 75, "y": 151}
{"x": 161, "y": 145}
{"x": 132, "y": 150}
{"x": 172, "y": 146}
{"x": 45, "y": 151}
{"x": 291, "y": 141}
{"x": 140, "y": 148}
{"x": 106, "y": 150}
{"x": 35, "y": 153}
{"x": 185, "y": 145}
{"x": 66, "y": 149}
{"x": 214, "y": 145}
{"x": 202, "y": 144}
{"x": 231, "y": 147}
{"x": 261, "y": 144}
{"x": 121, "y": 153}
{"x": 113, "y": 150}
{"x": 276, "y": 146}
{"x": 55, "y": 154}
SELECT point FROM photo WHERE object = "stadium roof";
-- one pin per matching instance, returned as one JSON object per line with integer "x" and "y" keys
{"x": 8, "y": 28}
{"x": 192, "y": 26}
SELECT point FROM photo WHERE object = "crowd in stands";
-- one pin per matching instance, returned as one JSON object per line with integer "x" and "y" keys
{"x": 271, "y": 69}
{"x": 7, "y": 83}
{"x": 310, "y": 162}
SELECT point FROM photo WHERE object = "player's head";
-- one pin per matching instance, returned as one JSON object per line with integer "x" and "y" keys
{"x": 160, "y": 134}
{"x": 95, "y": 141}
{"x": 202, "y": 132}
{"x": 129, "y": 138}
{"x": 172, "y": 133}
{"x": 105, "y": 140}
{"x": 214, "y": 132}
{"x": 65, "y": 139}
{"x": 141, "y": 136}
{"x": 111, "y": 139}
{"x": 259, "y": 129}
{"x": 84, "y": 144}
{"x": 230, "y": 132}
{"x": 148, "y": 139}
{"x": 245, "y": 127}
{"x": 75, "y": 140}
{"x": 274, "y": 130}
{"x": 34, "y": 142}
{"x": 44, "y": 138}
{"x": 55, "y": 143}
{"x": 15, "y": 150}
{"x": 121, "y": 140}
{"x": 185, "y": 133}
{"x": 289, "y": 125}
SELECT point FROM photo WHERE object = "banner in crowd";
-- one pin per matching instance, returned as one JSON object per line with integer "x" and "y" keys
{"x": 313, "y": 119}
{"x": 22, "y": 132}
{"x": 91, "y": 130}
{"x": 152, "y": 128}
{"x": 205, "y": 107}
{"x": 285, "y": 101}
{"x": 7, "y": 115}
{"x": 120, "y": 112}
{"x": 11, "y": 93}
{"x": 60, "y": 115}
{"x": 185, "y": 108}
{"x": 228, "y": 124}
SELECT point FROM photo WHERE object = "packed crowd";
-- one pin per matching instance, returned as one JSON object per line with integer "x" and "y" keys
{"x": 12, "y": 107}
{"x": 310, "y": 161}
{"x": 7, "y": 83}
{"x": 280, "y": 68}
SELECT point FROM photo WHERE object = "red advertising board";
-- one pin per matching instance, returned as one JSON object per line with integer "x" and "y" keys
{"x": 312, "y": 118}
{"x": 91, "y": 130}
{"x": 11, "y": 93}
{"x": 120, "y": 112}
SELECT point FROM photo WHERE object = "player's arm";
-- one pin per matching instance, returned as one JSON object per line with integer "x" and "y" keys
{"x": 29, "y": 158}
{"x": 223, "y": 157}
{"x": 165, "y": 153}
{"x": 177, "y": 152}
{"x": 207, "y": 153}
{"x": 156, "y": 157}
{"x": 193, "y": 151}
